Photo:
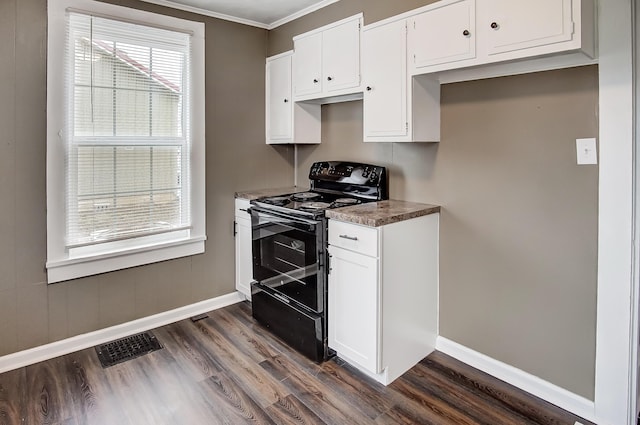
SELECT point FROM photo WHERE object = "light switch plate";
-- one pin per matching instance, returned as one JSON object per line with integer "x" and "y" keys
{"x": 586, "y": 151}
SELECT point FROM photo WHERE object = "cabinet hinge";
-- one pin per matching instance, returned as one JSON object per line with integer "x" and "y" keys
{"x": 406, "y": 126}
{"x": 573, "y": 27}
{"x": 414, "y": 24}
{"x": 235, "y": 231}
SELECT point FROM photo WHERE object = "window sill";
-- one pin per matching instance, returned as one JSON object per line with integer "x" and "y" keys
{"x": 73, "y": 268}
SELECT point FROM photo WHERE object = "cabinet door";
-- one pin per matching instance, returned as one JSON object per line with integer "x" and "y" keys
{"x": 244, "y": 260}
{"x": 353, "y": 320}
{"x": 307, "y": 65}
{"x": 341, "y": 56}
{"x": 520, "y": 24}
{"x": 444, "y": 34}
{"x": 384, "y": 67}
{"x": 279, "y": 103}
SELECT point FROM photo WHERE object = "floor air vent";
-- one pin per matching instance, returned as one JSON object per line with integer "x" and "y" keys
{"x": 127, "y": 348}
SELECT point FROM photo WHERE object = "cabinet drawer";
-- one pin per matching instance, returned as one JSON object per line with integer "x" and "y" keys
{"x": 241, "y": 207}
{"x": 354, "y": 237}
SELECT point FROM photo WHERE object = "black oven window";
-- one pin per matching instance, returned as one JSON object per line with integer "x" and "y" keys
{"x": 285, "y": 259}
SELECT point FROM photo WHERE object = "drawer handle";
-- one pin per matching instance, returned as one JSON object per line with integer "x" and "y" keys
{"x": 281, "y": 298}
{"x": 351, "y": 238}
{"x": 243, "y": 209}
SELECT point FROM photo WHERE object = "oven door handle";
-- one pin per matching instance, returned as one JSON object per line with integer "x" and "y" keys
{"x": 262, "y": 213}
{"x": 281, "y": 298}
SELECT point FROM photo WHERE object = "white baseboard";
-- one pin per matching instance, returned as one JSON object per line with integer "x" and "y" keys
{"x": 80, "y": 342}
{"x": 547, "y": 391}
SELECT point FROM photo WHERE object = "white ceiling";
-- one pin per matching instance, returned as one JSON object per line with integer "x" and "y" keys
{"x": 266, "y": 14}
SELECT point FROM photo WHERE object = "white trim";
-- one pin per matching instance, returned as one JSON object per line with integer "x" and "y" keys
{"x": 80, "y": 342}
{"x": 525, "y": 381}
{"x": 244, "y": 21}
{"x": 60, "y": 271}
{"x": 615, "y": 213}
{"x": 357, "y": 16}
{"x": 205, "y": 12}
{"x": 301, "y": 13}
{"x": 634, "y": 378}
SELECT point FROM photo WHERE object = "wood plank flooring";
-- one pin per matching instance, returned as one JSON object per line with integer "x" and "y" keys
{"x": 227, "y": 369}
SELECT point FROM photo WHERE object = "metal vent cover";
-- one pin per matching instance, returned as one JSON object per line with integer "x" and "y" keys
{"x": 127, "y": 348}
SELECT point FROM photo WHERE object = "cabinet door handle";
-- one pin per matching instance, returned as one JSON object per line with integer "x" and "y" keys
{"x": 494, "y": 25}
{"x": 351, "y": 238}
{"x": 329, "y": 78}
{"x": 369, "y": 88}
{"x": 286, "y": 100}
{"x": 466, "y": 33}
{"x": 315, "y": 81}
{"x": 243, "y": 209}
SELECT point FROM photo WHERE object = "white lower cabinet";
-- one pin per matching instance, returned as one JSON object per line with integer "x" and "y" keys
{"x": 244, "y": 260}
{"x": 383, "y": 294}
{"x": 354, "y": 277}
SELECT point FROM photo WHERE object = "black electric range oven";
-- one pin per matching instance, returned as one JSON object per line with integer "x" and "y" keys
{"x": 289, "y": 249}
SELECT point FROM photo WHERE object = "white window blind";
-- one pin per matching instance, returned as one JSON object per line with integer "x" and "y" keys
{"x": 127, "y": 137}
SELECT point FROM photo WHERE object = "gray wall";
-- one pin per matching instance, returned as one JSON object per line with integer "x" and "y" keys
{"x": 519, "y": 220}
{"x": 32, "y": 313}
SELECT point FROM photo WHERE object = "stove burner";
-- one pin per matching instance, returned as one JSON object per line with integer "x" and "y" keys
{"x": 304, "y": 196}
{"x": 314, "y": 205}
{"x": 341, "y": 202}
{"x": 276, "y": 200}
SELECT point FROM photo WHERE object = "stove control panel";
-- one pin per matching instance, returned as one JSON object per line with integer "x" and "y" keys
{"x": 348, "y": 173}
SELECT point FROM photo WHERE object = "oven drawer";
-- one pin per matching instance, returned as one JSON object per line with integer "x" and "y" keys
{"x": 354, "y": 237}
{"x": 302, "y": 330}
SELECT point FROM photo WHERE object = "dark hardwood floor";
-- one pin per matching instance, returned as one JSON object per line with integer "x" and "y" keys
{"x": 227, "y": 369}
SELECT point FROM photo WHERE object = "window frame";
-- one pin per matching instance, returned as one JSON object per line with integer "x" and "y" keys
{"x": 64, "y": 264}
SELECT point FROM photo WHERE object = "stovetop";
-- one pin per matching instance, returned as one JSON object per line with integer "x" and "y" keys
{"x": 334, "y": 184}
{"x": 311, "y": 203}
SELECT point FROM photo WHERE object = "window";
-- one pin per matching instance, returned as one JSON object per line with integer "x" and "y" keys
{"x": 125, "y": 142}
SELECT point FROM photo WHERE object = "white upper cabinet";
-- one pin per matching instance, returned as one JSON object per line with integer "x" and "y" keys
{"x": 384, "y": 66}
{"x": 444, "y": 34}
{"x": 286, "y": 121}
{"x": 512, "y": 25}
{"x": 397, "y": 107}
{"x": 307, "y": 65}
{"x": 326, "y": 61}
{"x": 451, "y": 34}
{"x": 279, "y": 103}
{"x": 341, "y": 56}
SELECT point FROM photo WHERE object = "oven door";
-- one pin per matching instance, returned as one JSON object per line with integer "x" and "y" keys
{"x": 288, "y": 254}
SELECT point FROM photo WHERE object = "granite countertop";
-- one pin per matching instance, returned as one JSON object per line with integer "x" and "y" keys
{"x": 255, "y": 194}
{"x": 375, "y": 214}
